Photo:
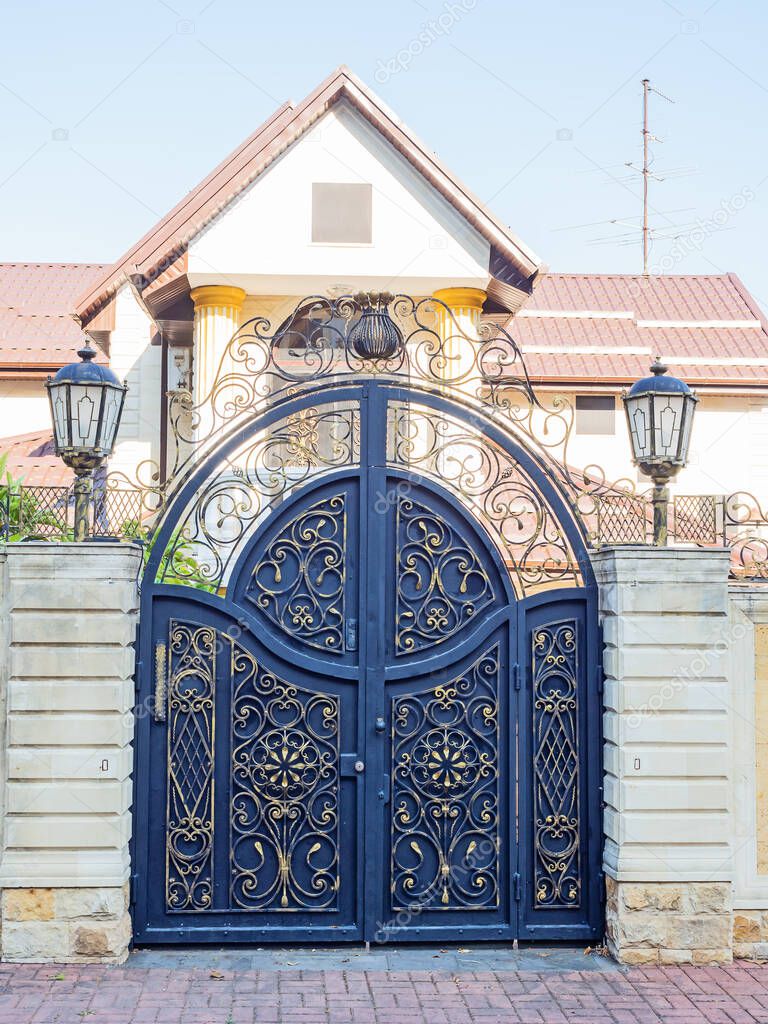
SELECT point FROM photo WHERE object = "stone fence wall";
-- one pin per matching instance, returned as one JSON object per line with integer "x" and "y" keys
{"x": 68, "y": 616}
{"x": 749, "y": 703}
{"x": 685, "y": 757}
{"x": 667, "y": 719}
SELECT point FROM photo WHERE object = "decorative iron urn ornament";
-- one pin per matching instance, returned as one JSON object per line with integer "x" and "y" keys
{"x": 86, "y": 405}
{"x": 375, "y": 335}
{"x": 660, "y": 416}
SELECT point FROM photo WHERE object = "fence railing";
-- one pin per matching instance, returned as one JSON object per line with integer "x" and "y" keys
{"x": 47, "y": 513}
{"x": 736, "y": 521}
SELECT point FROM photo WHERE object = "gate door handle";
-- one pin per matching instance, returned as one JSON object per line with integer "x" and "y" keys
{"x": 161, "y": 693}
{"x": 380, "y": 725}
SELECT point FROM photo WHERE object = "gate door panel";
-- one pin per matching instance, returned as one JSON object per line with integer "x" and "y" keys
{"x": 449, "y": 855}
{"x": 255, "y": 818}
{"x": 372, "y": 721}
{"x": 449, "y": 706}
{"x": 559, "y": 745}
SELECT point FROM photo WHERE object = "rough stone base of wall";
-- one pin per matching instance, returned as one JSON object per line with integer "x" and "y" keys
{"x": 65, "y": 925}
{"x": 750, "y": 934}
{"x": 669, "y": 923}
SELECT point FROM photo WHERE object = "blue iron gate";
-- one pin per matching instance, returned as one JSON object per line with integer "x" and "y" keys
{"x": 375, "y": 710}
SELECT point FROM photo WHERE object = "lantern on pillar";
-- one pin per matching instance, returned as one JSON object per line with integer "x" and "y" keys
{"x": 86, "y": 405}
{"x": 660, "y": 412}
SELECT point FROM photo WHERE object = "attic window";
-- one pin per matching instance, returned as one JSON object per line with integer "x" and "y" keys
{"x": 341, "y": 213}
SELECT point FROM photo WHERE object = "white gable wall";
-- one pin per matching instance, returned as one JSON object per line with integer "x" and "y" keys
{"x": 262, "y": 241}
{"x": 136, "y": 362}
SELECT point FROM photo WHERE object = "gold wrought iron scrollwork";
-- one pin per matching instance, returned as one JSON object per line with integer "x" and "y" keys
{"x": 556, "y": 766}
{"x": 285, "y": 793}
{"x": 299, "y": 582}
{"x": 493, "y": 486}
{"x": 254, "y": 480}
{"x": 441, "y": 584}
{"x": 190, "y": 799}
{"x": 445, "y": 795}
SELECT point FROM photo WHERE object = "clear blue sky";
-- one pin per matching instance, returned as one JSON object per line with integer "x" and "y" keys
{"x": 111, "y": 112}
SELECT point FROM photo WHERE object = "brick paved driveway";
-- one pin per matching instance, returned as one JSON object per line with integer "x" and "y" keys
{"x": 179, "y": 994}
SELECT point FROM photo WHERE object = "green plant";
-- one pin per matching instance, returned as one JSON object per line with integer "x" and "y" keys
{"x": 179, "y": 564}
{"x": 21, "y": 514}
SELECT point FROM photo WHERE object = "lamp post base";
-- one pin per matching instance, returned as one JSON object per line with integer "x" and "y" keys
{"x": 660, "y": 514}
{"x": 83, "y": 492}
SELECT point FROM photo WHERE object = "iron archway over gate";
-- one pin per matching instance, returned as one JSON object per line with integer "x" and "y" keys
{"x": 376, "y": 708}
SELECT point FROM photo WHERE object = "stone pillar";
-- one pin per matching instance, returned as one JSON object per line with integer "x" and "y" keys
{"x": 668, "y": 857}
{"x": 218, "y": 311}
{"x": 69, "y": 614}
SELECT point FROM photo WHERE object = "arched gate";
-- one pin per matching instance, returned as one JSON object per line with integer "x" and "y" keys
{"x": 369, "y": 643}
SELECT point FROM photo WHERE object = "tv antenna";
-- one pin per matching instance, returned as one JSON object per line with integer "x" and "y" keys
{"x": 669, "y": 229}
{"x": 646, "y": 171}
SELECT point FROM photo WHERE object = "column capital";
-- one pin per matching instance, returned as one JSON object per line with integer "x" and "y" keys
{"x": 217, "y": 295}
{"x": 461, "y": 298}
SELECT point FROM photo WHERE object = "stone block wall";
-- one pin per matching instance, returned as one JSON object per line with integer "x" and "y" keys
{"x": 667, "y": 729}
{"x": 749, "y": 695}
{"x": 669, "y": 922}
{"x": 68, "y": 615}
{"x": 66, "y": 925}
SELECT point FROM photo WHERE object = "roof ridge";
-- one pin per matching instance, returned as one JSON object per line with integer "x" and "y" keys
{"x": 649, "y": 277}
{"x": 51, "y": 263}
{"x": 168, "y": 238}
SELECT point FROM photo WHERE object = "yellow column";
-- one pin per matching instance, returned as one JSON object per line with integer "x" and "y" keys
{"x": 466, "y": 305}
{"x": 458, "y": 327}
{"x": 218, "y": 313}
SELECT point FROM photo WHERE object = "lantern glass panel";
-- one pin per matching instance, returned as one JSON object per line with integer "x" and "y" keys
{"x": 688, "y": 407}
{"x": 667, "y": 415}
{"x": 58, "y": 397}
{"x": 639, "y": 414}
{"x": 113, "y": 400}
{"x": 84, "y": 406}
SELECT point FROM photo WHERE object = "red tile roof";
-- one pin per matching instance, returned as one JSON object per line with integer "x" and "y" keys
{"x": 37, "y": 329}
{"x": 655, "y": 297}
{"x": 606, "y": 328}
{"x": 31, "y": 459}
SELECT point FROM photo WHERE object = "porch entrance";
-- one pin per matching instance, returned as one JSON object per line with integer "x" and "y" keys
{"x": 375, "y": 710}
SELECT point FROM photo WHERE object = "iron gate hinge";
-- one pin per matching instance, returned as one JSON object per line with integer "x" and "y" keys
{"x": 516, "y": 883}
{"x": 516, "y": 675}
{"x": 134, "y": 884}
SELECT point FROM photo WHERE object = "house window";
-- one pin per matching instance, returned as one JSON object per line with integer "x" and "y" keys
{"x": 595, "y": 414}
{"x": 341, "y": 213}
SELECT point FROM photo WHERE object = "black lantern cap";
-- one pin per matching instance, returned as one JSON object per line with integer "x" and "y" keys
{"x": 660, "y": 383}
{"x": 86, "y": 371}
